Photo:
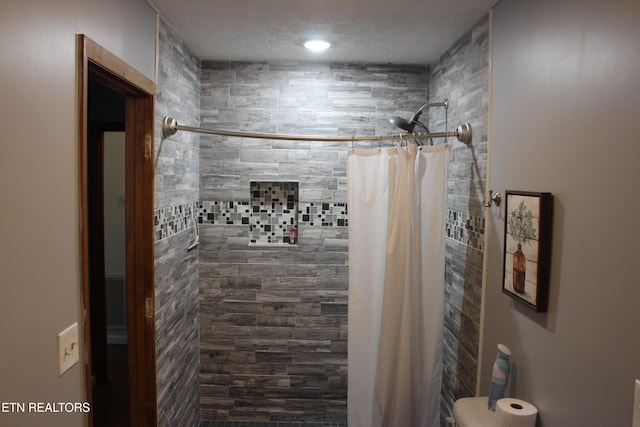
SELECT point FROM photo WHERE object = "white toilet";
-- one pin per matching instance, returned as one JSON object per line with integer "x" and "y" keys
{"x": 473, "y": 412}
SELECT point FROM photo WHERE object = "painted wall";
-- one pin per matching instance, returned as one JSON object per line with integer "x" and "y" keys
{"x": 39, "y": 231}
{"x": 114, "y": 199}
{"x": 566, "y": 97}
{"x": 114, "y": 236}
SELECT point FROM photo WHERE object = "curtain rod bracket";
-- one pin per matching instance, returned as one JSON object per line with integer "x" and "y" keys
{"x": 463, "y": 133}
{"x": 169, "y": 127}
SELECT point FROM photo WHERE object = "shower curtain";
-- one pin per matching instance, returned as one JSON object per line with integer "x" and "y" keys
{"x": 396, "y": 202}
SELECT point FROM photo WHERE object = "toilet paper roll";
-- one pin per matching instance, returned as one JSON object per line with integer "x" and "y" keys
{"x": 515, "y": 413}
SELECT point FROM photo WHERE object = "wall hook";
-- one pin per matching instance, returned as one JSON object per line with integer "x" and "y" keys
{"x": 495, "y": 198}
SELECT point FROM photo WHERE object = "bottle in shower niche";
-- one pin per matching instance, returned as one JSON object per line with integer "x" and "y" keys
{"x": 499, "y": 376}
{"x": 293, "y": 236}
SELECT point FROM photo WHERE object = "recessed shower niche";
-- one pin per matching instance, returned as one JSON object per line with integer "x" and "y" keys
{"x": 274, "y": 207}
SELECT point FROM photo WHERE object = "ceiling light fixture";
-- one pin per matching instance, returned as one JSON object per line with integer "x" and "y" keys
{"x": 317, "y": 45}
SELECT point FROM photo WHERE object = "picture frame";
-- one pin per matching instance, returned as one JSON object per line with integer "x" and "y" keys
{"x": 527, "y": 247}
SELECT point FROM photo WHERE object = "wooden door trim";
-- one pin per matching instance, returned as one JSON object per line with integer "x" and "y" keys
{"x": 139, "y": 219}
{"x": 114, "y": 73}
{"x": 114, "y": 66}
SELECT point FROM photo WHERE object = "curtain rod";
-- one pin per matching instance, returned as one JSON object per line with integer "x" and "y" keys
{"x": 170, "y": 126}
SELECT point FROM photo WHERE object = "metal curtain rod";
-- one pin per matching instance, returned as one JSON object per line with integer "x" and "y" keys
{"x": 170, "y": 126}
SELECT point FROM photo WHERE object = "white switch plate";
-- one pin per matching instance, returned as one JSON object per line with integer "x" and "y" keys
{"x": 68, "y": 348}
{"x": 636, "y": 406}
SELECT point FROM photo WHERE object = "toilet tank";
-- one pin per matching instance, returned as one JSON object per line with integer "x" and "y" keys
{"x": 473, "y": 412}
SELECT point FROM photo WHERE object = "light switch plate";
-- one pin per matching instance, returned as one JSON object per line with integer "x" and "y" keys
{"x": 636, "y": 406}
{"x": 68, "y": 348}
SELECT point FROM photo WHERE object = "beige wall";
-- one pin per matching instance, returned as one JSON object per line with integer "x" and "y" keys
{"x": 565, "y": 103}
{"x": 39, "y": 223}
{"x": 114, "y": 197}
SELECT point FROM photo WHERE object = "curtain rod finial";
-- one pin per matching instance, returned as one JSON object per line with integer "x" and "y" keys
{"x": 169, "y": 127}
{"x": 463, "y": 132}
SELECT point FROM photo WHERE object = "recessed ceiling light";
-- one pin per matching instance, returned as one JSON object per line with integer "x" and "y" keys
{"x": 317, "y": 45}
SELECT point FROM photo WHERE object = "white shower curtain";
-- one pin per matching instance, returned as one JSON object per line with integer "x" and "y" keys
{"x": 396, "y": 202}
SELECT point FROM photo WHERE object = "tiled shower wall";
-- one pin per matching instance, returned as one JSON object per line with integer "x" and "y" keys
{"x": 273, "y": 318}
{"x": 176, "y": 269}
{"x": 462, "y": 75}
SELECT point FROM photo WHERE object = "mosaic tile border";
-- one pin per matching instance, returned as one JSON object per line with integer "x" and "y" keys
{"x": 224, "y": 213}
{"x": 172, "y": 220}
{"x": 465, "y": 228}
{"x": 309, "y": 213}
{"x": 324, "y": 214}
{"x": 460, "y": 226}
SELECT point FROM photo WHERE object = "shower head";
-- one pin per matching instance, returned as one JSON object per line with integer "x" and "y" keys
{"x": 408, "y": 125}
{"x": 415, "y": 119}
{"x": 411, "y": 124}
{"x": 402, "y": 123}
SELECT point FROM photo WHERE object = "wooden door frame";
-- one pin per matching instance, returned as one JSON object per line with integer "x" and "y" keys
{"x": 97, "y": 63}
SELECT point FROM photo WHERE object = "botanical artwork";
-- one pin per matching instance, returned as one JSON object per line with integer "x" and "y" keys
{"x": 527, "y": 247}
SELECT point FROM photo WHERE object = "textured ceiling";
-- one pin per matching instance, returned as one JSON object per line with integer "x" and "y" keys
{"x": 374, "y": 31}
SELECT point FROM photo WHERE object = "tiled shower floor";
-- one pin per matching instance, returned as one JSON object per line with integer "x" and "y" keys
{"x": 269, "y": 424}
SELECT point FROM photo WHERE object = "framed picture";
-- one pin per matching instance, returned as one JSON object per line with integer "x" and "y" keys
{"x": 527, "y": 247}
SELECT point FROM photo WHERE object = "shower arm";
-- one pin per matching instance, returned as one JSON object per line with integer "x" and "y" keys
{"x": 417, "y": 114}
{"x": 410, "y": 125}
{"x": 425, "y": 128}
{"x": 422, "y": 125}
{"x": 170, "y": 126}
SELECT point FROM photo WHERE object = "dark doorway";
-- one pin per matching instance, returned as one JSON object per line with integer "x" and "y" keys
{"x": 107, "y": 255}
{"x": 116, "y": 109}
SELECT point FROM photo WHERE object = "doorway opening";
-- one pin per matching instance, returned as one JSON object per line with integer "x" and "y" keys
{"x": 106, "y": 182}
{"x": 116, "y": 134}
